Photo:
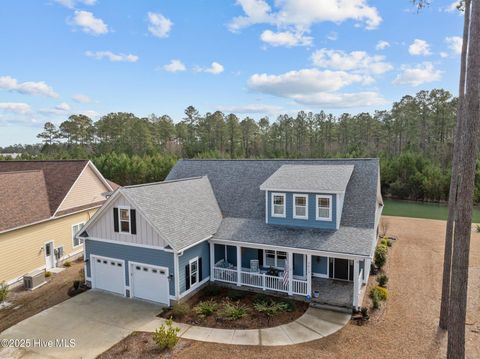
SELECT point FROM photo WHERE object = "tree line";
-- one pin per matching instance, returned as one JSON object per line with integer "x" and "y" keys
{"x": 414, "y": 140}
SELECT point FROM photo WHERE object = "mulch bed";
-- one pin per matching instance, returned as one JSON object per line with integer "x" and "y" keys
{"x": 25, "y": 303}
{"x": 252, "y": 320}
{"x": 140, "y": 345}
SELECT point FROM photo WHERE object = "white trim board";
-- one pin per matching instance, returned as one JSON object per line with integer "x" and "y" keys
{"x": 191, "y": 289}
{"x": 129, "y": 244}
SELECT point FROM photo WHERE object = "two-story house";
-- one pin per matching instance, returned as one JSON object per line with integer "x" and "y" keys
{"x": 304, "y": 228}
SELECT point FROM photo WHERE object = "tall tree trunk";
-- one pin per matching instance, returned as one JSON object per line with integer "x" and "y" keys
{"x": 464, "y": 205}
{"x": 452, "y": 196}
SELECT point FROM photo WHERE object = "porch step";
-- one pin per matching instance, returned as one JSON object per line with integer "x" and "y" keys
{"x": 333, "y": 308}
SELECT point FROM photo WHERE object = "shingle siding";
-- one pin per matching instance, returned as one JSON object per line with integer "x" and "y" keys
{"x": 311, "y": 222}
{"x": 131, "y": 254}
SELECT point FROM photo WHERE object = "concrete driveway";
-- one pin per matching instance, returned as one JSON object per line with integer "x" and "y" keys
{"x": 94, "y": 320}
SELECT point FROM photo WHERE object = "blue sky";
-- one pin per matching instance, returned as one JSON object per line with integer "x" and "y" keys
{"x": 251, "y": 57}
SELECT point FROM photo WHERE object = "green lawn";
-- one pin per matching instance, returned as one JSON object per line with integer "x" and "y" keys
{"x": 421, "y": 210}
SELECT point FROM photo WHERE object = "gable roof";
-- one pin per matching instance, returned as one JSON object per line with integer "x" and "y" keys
{"x": 309, "y": 178}
{"x": 183, "y": 212}
{"x": 35, "y": 189}
{"x": 236, "y": 184}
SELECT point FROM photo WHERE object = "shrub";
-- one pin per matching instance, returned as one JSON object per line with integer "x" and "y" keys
{"x": 364, "y": 312}
{"x": 386, "y": 242}
{"x": 67, "y": 264}
{"x": 3, "y": 291}
{"x": 270, "y": 308}
{"x": 233, "y": 311}
{"x": 48, "y": 274}
{"x": 382, "y": 280}
{"x": 166, "y": 336}
{"x": 478, "y": 228}
{"x": 379, "y": 292}
{"x": 380, "y": 256}
{"x": 259, "y": 298}
{"x": 236, "y": 294}
{"x": 179, "y": 310}
{"x": 212, "y": 291}
{"x": 206, "y": 308}
{"x": 375, "y": 300}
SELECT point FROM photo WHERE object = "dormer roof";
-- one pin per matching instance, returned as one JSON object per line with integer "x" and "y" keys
{"x": 309, "y": 178}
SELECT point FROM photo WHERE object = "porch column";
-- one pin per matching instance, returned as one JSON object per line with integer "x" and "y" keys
{"x": 366, "y": 270}
{"x": 290, "y": 273}
{"x": 356, "y": 282}
{"x": 309, "y": 275}
{"x": 239, "y": 265}
{"x": 212, "y": 261}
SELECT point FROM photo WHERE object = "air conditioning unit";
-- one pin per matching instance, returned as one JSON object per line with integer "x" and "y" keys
{"x": 34, "y": 280}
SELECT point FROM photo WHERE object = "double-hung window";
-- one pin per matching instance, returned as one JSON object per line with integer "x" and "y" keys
{"x": 278, "y": 205}
{"x": 324, "y": 208}
{"x": 275, "y": 258}
{"x": 75, "y": 230}
{"x": 300, "y": 206}
{"x": 193, "y": 265}
{"x": 124, "y": 220}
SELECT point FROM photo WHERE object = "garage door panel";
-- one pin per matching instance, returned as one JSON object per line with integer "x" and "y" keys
{"x": 109, "y": 274}
{"x": 150, "y": 282}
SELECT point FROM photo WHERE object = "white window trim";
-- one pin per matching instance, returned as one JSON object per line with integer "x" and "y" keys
{"x": 73, "y": 235}
{"x": 295, "y": 216}
{"x": 329, "y": 197}
{"x": 272, "y": 212}
{"x": 275, "y": 260}
{"x": 120, "y": 220}
{"x": 190, "y": 271}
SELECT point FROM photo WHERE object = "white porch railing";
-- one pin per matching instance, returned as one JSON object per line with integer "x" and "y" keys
{"x": 259, "y": 280}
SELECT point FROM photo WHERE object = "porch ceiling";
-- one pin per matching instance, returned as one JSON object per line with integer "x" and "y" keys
{"x": 346, "y": 240}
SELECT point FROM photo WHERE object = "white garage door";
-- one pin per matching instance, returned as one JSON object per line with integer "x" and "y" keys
{"x": 149, "y": 282}
{"x": 108, "y": 274}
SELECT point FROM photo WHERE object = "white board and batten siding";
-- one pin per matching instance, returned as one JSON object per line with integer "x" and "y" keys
{"x": 103, "y": 228}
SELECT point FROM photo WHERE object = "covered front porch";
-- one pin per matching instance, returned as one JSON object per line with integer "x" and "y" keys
{"x": 326, "y": 280}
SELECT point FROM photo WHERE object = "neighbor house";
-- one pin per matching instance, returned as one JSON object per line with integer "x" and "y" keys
{"x": 306, "y": 228}
{"x": 43, "y": 204}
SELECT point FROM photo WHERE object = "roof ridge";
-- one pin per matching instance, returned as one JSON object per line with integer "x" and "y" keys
{"x": 23, "y": 161}
{"x": 22, "y": 171}
{"x": 279, "y": 159}
{"x": 163, "y": 182}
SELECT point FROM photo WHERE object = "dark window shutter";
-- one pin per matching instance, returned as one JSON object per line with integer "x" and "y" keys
{"x": 260, "y": 257}
{"x": 200, "y": 276}
{"x": 115, "y": 219}
{"x": 133, "y": 221}
{"x": 187, "y": 277}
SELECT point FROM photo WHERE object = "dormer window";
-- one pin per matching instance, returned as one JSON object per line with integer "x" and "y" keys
{"x": 300, "y": 206}
{"x": 324, "y": 208}
{"x": 278, "y": 205}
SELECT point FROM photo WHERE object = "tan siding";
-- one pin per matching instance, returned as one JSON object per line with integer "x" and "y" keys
{"x": 87, "y": 189}
{"x": 21, "y": 251}
{"x": 103, "y": 227}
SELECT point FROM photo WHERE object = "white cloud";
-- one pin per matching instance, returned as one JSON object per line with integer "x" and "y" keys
{"x": 419, "y": 47}
{"x": 453, "y": 7}
{"x": 174, "y": 66}
{"x": 352, "y": 61}
{"x": 302, "y": 14}
{"x": 255, "y": 108}
{"x": 27, "y": 88}
{"x": 89, "y": 23}
{"x": 382, "y": 45}
{"x": 15, "y": 107}
{"x": 90, "y": 113}
{"x": 63, "y": 107}
{"x": 81, "y": 98}
{"x": 285, "y": 38}
{"x": 99, "y": 55}
{"x": 159, "y": 25}
{"x": 454, "y": 43}
{"x": 215, "y": 68}
{"x": 342, "y": 100}
{"x": 304, "y": 81}
{"x": 443, "y": 54}
{"x": 72, "y": 3}
{"x": 418, "y": 75}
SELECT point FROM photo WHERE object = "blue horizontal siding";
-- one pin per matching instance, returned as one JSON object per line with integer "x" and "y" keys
{"x": 311, "y": 222}
{"x": 201, "y": 250}
{"x": 298, "y": 264}
{"x": 134, "y": 254}
{"x": 319, "y": 265}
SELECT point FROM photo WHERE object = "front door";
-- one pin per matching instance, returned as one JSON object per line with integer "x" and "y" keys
{"x": 49, "y": 256}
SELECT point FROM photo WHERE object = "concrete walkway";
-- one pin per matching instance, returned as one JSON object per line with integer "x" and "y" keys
{"x": 314, "y": 324}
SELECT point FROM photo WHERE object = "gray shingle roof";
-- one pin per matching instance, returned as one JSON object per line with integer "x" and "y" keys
{"x": 346, "y": 240}
{"x": 236, "y": 184}
{"x": 310, "y": 178}
{"x": 183, "y": 212}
